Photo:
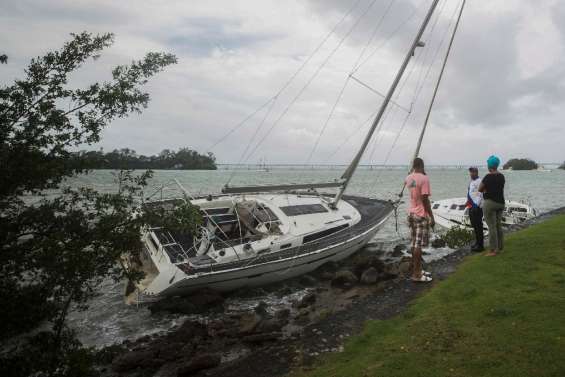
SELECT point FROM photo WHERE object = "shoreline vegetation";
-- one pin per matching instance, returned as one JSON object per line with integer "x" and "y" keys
{"x": 125, "y": 158}
{"x": 498, "y": 316}
{"x": 520, "y": 164}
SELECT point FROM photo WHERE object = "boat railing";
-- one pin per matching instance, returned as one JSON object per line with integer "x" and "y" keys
{"x": 293, "y": 252}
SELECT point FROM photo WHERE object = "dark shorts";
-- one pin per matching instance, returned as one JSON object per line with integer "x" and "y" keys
{"x": 419, "y": 230}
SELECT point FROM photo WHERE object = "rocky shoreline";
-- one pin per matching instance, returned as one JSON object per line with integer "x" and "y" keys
{"x": 266, "y": 341}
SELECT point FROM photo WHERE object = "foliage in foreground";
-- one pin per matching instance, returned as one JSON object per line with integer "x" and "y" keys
{"x": 457, "y": 237}
{"x": 500, "y": 316}
{"x": 126, "y": 158}
{"x": 55, "y": 250}
{"x": 521, "y": 164}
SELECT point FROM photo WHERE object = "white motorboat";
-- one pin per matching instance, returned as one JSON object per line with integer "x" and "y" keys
{"x": 257, "y": 235}
{"x": 451, "y": 213}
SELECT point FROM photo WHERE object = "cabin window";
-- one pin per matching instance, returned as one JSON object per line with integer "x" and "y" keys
{"x": 436, "y": 206}
{"x": 286, "y": 246}
{"x": 264, "y": 214}
{"x": 517, "y": 209}
{"x": 453, "y": 206}
{"x": 462, "y": 207}
{"x": 303, "y": 209}
{"x": 323, "y": 233}
{"x": 216, "y": 211}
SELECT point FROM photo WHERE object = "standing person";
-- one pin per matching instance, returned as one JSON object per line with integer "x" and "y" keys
{"x": 492, "y": 188}
{"x": 420, "y": 217}
{"x": 475, "y": 204}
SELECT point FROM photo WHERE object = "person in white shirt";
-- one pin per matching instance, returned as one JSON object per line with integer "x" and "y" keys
{"x": 475, "y": 205}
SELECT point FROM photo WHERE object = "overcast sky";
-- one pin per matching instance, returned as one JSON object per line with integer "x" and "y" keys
{"x": 503, "y": 91}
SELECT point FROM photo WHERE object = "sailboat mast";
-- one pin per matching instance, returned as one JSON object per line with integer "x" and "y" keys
{"x": 421, "y": 138}
{"x": 355, "y": 163}
{"x": 430, "y": 107}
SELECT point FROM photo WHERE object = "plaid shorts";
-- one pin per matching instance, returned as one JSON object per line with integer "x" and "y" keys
{"x": 420, "y": 230}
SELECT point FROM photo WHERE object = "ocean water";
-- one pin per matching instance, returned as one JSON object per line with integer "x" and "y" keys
{"x": 108, "y": 320}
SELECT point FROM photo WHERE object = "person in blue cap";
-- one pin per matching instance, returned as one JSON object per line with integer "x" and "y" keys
{"x": 492, "y": 187}
{"x": 475, "y": 208}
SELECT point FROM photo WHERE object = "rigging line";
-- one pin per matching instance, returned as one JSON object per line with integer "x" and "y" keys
{"x": 241, "y": 123}
{"x": 428, "y": 51}
{"x": 340, "y": 95}
{"x": 449, "y": 47}
{"x": 379, "y": 136}
{"x": 289, "y": 81}
{"x": 377, "y": 92}
{"x": 417, "y": 95}
{"x": 364, "y": 124}
{"x": 420, "y": 57}
{"x": 361, "y": 126}
{"x": 387, "y": 39}
{"x": 259, "y": 126}
{"x": 314, "y": 75}
{"x": 423, "y": 55}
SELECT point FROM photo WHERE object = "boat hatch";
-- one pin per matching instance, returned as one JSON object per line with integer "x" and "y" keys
{"x": 303, "y": 209}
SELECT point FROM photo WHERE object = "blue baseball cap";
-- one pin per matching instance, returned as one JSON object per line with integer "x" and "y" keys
{"x": 493, "y": 162}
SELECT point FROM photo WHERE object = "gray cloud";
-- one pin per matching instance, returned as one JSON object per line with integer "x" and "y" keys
{"x": 504, "y": 81}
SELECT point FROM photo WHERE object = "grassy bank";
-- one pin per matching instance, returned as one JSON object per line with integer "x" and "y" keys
{"x": 500, "y": 316}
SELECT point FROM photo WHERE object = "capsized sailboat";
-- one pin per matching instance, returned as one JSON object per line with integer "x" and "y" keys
{"x": 256, "y": 235}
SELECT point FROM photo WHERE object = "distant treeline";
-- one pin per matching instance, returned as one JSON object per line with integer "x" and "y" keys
{"x": 521, "y": 164}
{"x": 126, "y": 158}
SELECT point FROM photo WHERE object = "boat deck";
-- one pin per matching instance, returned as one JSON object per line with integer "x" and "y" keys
{"x": 372, "y": 212}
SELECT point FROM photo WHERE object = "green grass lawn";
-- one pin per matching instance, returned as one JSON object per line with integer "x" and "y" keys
{"x": 499, "y": 316}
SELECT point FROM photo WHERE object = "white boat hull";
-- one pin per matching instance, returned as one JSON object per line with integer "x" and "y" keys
{"x": 273, "y": 272}
{"x": 450, "y": 213}
{"x": 303, "y": 242}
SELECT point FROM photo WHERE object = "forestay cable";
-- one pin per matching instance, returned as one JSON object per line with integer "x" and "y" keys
{"x": 422, "y": 56}
{"x": 418, "y": 91}
{"x": 340, "y": 95}
{"x": 314, "y": 75}
{"x": 291, "y": 79}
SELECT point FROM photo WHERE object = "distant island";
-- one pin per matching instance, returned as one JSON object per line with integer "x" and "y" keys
{"x": 520, "y": 164}
{"x": 562, "y": 167}
{"x": 126, "y": 158}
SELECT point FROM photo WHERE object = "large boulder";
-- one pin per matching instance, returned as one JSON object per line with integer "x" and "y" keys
{"x": 135, "y": 359}
{"x": 249, "y": 322}
{"x": 344, "y": 279}
{"x": 370, "y": 276}
{"x": 398, "y": 250}
{"x": 197, "y": 303}
{"x": 260, "y": 338}
{"x": 364, "y": 260}
{"x": 400, "y": 268}
{"x": 197, "y": 363}
{"x": 438, "y": 243}
{"x": 308, "y": 300}
{"x": 308, "y": 281}
{"x": 282, "y": 314}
